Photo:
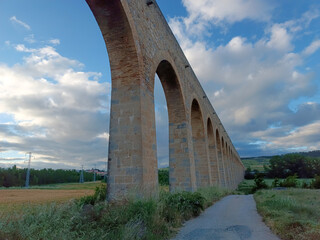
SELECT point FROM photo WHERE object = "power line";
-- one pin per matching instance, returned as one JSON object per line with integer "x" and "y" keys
{"x": 94, "y": 173}
{"x": 28, "y": 171}
{"x": 81, "y": 175}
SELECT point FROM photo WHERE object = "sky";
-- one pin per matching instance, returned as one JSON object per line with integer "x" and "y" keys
{"x": 258, "y": 61}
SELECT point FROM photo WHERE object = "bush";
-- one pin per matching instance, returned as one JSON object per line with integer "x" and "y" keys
{"x": 99, "y": 195}
{"x": 276, "y": 183}
{"x": 315, "y": 182}
{"x": 259, "y": 183}
{"x": 291, "y": 181}
{"x": 186, "y": 204}
{"x": 163, "y": 176}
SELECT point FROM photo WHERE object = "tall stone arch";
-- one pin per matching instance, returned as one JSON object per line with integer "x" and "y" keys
{"x": 212, "y": 151}
{"x": 203, "y": 173}
{"x": 181, "y": 169}
{"x": 139, "y": 44}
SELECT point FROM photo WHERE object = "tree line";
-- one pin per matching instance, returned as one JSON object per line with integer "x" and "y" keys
{"x": 283, "y": 166}
{"x": 16, "y": 177}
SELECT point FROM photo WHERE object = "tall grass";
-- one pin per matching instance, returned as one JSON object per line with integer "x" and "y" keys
{"x": 293, "y": 214}
{"x": 137, "y": 219}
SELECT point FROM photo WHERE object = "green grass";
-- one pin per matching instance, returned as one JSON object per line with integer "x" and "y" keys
{"x": 246, "y": 185}
{"x": 150, "y": 219}
{"x": 293, "y": 214}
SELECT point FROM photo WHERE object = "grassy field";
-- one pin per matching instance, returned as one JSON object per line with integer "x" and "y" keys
{"x": 255, "y": 163}
{"x": 152, "y": 219}
{"x": 292, "y": 214}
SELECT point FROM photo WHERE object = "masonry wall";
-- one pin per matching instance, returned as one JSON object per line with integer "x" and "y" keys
{"x": 141, "y": 44}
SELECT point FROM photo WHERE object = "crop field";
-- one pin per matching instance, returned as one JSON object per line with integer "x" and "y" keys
{"x": 17, "y": 198}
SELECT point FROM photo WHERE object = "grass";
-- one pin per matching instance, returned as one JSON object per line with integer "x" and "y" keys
{"x": 293, "y": 214}
{"x": 152, "y": 219}
{"x": 246, "y": 185}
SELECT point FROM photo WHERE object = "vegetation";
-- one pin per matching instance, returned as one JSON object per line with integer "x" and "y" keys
{"x": 293, "y": 214}
{"x": 250, "y": 186}
{"x": 15, "y": 177}
{"x": 93, "y": 218}
{"x": 163, "y": 176}
{"x": 293, "y": 163}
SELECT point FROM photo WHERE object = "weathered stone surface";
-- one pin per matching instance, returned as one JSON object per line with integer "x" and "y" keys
{"x": 140, "y": 45}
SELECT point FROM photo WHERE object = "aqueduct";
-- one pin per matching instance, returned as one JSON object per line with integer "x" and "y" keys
{"x": 140, "y": 44}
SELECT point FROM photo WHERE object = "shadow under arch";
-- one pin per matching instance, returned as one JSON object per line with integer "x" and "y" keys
{"x": 180, "y": 176}
{"x": 212, "y": 153}
{"x": 199, "y": 146}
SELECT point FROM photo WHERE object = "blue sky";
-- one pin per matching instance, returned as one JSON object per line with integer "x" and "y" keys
{"x": 258, "y": 61}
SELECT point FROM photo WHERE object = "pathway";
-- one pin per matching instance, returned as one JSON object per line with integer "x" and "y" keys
{"x": 234, "y": 217}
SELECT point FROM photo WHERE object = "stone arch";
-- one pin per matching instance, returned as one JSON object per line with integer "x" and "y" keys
{"x": 212, "y": 153}
{"x": 140, "y": 43}
{"x": 180, "y": 176}
{"x": 227, "y": 163}
{"x": 220, "y": 159}
{"x": 199, "y": 146}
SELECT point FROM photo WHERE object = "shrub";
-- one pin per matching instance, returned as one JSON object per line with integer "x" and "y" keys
{"x": 99, "y": 195}
{"x": 163, "y": 176}
{"x": 291, "y": 181}
{"x": 185, "y": 203}
{"x": 259, "y": 183}
{"x": 276, "y": 183}
{"x": 315, "y": 182}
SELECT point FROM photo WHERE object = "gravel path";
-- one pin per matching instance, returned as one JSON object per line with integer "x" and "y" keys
{"x": 235, "y": 217}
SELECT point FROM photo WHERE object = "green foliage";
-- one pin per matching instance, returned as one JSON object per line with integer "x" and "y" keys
{"x": 290, "y": 181}
{"x": 163, "y": 176}
{"x": 185, "y": 203}
{"x": 259, "y": 183}
{"x": 15, "y": 177}
{"x": 144, "y": 219}
{"x": 316, "y": 182}
{"x": 276, "y": 183}
{"x": 293, "y": 163}
{"x": 99, "y": 195}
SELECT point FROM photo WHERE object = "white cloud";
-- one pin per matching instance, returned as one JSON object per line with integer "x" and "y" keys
{"x": 60, "y": 112}
{"x": 312, "y": 48}
{"x": 54, "y": 41}
{"x": 252, "y": 82}
{"x": 228, "y": 10}
{"x": 14, "y": 19}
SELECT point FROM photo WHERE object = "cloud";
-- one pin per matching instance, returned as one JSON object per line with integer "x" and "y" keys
{"x": 251, "y": 82}
{"x": 59, "y": 112}
{"x": 54, "y": 41}
{"x": 14, "y": 19}
{"x": 312, "y": 48}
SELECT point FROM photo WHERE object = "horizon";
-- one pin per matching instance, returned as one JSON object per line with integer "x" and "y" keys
{"x": 260, "y": 69}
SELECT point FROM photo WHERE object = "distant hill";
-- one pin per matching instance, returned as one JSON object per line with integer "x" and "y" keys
{"x": 256, "y": 163}
{"x": 315, "y": 153}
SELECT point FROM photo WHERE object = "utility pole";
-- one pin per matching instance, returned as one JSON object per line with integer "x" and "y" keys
{"x": 28, "y": 171}
{"x": 81, "y": 175}
{"x": 105, "y": 172}
{"x": 94, "y": 173}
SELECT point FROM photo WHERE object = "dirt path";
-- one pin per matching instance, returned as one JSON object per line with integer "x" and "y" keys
{"x": 233, "y": 218}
